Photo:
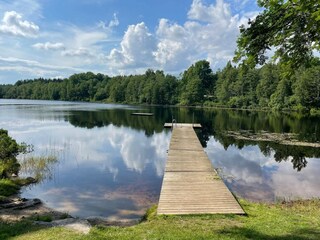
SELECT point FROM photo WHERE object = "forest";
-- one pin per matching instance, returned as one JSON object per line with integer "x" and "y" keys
{"x": 267, "y": 87}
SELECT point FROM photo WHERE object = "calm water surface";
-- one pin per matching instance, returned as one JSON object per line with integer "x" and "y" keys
{"x": 109, "y": 163}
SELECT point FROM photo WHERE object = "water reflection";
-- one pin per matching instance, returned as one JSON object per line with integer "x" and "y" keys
{"x": 104, "y": 171}
{"x": 41, "y": 168}
{"x": 252, "y": 175}
{"x": 111, "y": 163}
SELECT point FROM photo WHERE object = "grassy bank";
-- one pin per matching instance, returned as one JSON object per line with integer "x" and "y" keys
{"x": 296, "y": 220}
{"x": 8, "y": 188}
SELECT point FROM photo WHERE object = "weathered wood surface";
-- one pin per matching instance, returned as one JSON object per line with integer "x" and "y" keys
{"x": 190, "y": 184}
{"x": 194, "y": 125}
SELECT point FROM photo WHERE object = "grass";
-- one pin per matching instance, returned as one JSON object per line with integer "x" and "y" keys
{"x": 42, "y": 218}
{"x": 8, "y": 187}
{"x": 297, "y": 220}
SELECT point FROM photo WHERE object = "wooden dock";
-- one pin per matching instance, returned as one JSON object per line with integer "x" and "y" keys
{"x": 190, "y": 184}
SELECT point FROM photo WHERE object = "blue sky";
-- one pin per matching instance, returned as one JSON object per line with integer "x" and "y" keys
{"x": 57, "y": 38}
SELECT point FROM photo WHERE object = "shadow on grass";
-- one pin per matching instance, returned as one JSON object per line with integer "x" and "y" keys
{"x": 246, "y": 233}
{"x": 9, "y": 230}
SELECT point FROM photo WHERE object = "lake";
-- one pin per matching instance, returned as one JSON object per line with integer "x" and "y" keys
{"x": 100, "y": 160}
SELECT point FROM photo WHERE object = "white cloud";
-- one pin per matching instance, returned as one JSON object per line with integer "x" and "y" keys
{"x": 83, "y": 47}
{"x": 218, "y": 14}
{"x": 137, "y": 47}
{"x": 209, "y": 33}
{"x": 174, "y": 45}
{"x": 115, "y": 21}
{"x": 49, "y": 46}
{"x": 108, "y": 26}
{"x": 85, "y": 38}
{"x": 28, "y": 8}
{"x": 31, "y": 63}
{"x": 31, "y": 69}
{"x": 12, "y": 23}
{"x": 80, "y": 52}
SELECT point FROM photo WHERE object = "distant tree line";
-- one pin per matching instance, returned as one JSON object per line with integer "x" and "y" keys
{"x": 234, "y": 87}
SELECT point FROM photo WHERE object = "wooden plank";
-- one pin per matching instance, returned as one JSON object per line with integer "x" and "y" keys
{"x": 190, "y": 183}
{"x": 194, "y": 125}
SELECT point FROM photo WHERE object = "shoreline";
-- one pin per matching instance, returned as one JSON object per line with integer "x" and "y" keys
{"x": 39, "y": 211}
{"x": 203, "y": 106}
{"x": 263, "y": 221}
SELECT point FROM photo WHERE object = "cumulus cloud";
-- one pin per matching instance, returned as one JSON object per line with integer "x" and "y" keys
{"x": 174, "y": 45}
{"x": 209, "y": 33}
{"x": 137, "y": 47}
{"x": 49, "y": 46}
{"x": 12, "y": 23}
{"x": 218, "y": 13}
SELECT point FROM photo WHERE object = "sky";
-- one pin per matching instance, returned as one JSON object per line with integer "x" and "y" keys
{"x": 57, "y": 38}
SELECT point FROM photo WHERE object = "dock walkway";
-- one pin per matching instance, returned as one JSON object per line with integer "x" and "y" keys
{"x": 190, "y": 184}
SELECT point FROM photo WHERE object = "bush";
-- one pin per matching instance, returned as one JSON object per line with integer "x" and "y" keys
{"x": 9, "y": 150}
{"x": 314, "y": 112}
{"x": 8, "y": 187}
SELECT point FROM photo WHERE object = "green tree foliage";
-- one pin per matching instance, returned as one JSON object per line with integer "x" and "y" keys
{"x": 235, "y": 87}
{"x": 292, "y": 27}
{"x": 308, "y": 88}
{"x": 269, "y": 79}
{"x": 197, "y": 82}
{"x": 9, "y": 150}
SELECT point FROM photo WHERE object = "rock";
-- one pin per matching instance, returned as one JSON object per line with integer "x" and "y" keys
{"x": 29, "y": 203}
{"x": 97, "y": 220}
{"x": 21, "y": 203}
{"x": 79, "y": 225}
{"x": 30, "y": 180}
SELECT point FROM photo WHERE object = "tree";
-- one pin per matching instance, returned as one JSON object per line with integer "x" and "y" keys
{"x": 269, "y": 78}
{"x": 308, "y": 88}
{"x": 225, "y": 83}
{"x": 197, "y": 81}
{"x": 292, "y": 27}
{"x": 9, "y": 150}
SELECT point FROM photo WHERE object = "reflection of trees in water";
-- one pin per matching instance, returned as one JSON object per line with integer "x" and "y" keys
{"x": 216, "y": 122}
{"x": 41, "y": 168}
{"x": 296, "y": 154}
{"x": 116, "y": 117}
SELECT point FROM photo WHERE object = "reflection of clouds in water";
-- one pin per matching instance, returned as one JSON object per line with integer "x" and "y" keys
{"x": 288, "y": 183}
{"x": 258, "y": 177}
{"x": 243, "y": 165}
{"x": 124, "y": 202}
{"x": 161, "y": 142}
{"x": 248, "y": 179}
{"x": 137, "y": 150}
{"x": 106, "y": 171}
{"x": 134, "y": 148}
{"x": 101, "y": 147}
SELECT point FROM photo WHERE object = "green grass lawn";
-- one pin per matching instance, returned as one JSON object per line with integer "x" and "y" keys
{"x": 296, "y": 220}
